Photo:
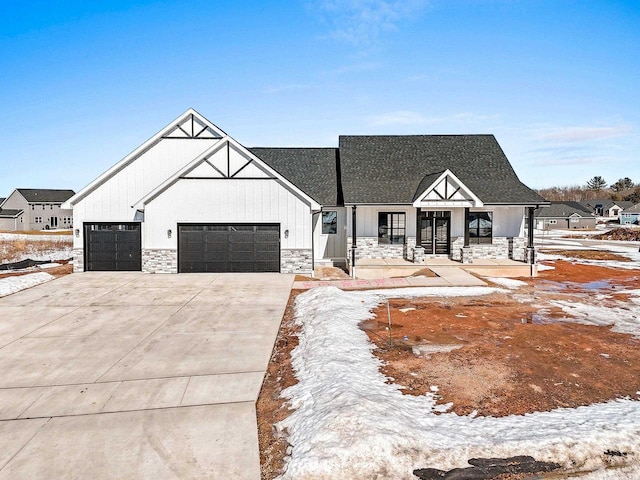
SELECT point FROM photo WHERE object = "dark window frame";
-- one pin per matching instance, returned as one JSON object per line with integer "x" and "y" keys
{"x": 330, "y": 227}
{"x": 477, "y": 234}
{"x": 390, "y": 222}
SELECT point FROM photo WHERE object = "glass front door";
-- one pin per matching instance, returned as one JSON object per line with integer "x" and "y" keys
{"x": 435, "y": 232}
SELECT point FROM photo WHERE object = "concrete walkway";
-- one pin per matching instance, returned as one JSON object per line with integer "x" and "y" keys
{"x": 127, "y": 375}
{"x": 446, "y": 277}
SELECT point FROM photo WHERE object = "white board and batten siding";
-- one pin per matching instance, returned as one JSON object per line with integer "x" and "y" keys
{"x": 227, "y": 201}
{"x": 112, "y": 201}
{"x": 508, "y": 221}
{"x": 329, "y": 245}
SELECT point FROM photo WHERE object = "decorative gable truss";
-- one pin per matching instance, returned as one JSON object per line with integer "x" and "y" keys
{"x": 446, "y": 190}
{"x": 226, "y": 161}
{"x": 190, "y": 127}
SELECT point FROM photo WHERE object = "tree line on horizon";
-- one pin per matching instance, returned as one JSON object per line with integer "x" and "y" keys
{"x": 597, "y": 188}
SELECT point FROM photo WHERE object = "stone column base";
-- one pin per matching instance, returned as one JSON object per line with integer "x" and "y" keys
{"x": 531, "y": 255}
{"x": 466, "y": 255}
{"x": 418, "y": 255}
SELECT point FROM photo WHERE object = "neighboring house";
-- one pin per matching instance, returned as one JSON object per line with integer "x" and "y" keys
{"x": 9, "y": 217}
{"x": 563, "y": 215}
{"x": 36, "y": 209}
{"x": 193, "y": 199}
{"x": 631, "y": 215}
{"x": 606, "y": 208}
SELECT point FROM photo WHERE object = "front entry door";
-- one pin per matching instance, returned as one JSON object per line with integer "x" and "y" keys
{"x": 435, "y": 232}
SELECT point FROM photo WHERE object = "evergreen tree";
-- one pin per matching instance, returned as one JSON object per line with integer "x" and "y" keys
{"x": 596, "y": 184}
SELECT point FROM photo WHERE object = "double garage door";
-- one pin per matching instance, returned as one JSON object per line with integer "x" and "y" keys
{"x": 228, "y": 248}
{"x": 201, "y": 247}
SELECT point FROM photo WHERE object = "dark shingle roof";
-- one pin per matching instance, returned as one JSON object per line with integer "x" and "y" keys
{"x": 563, "y": 209}
{"x": 312, "y": 170}
{"x": 605, "y": 204}
{"x": 35, "y": 195}
{"x": 392, "y": 169}
{"x": 2, "y": 200}
{"x": 9, "y": 212}
{"x": 633, "y": 209}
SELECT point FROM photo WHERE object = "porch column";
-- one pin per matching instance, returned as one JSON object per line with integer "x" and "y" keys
{"x": 418, "y": 250}
{"x": 465, "y": 255}
{"x": 418, "y": 232}
{"x": 353, "y": 241}
{"x": 530, "y": 248}
{"x": 466, "y": 227}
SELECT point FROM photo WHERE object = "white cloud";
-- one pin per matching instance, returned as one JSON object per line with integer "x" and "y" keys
{"x": 408, "y": 117}
{"x": 584, "y": 134}
{"x": 399, "y": 117}
{"x": 361, "y": 22}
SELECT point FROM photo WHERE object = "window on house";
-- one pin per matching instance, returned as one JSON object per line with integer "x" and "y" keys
{"x": 552, "y": 221}
{"x": 574, "y": 220}
{"x": 33, "y": 207}
{"x": 330, "y": 222}
{"x": 480, "y": 227}
{"x": 38, "y": 219}
{"x": 391, "y": 227}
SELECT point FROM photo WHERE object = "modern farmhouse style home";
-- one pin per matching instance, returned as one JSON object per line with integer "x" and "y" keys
{"x": 192, "y": 199}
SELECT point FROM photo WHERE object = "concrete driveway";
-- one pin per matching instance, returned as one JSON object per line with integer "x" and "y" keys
{"x": 130, "y": 375}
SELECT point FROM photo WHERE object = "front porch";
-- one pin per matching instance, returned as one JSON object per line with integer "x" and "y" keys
{"x": 370, "y": 268}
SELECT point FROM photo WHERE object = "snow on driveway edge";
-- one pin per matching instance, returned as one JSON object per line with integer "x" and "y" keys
{"x": 16, "y": 283}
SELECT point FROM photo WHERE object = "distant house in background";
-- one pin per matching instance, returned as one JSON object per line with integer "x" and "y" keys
{"x": 630, "y": 216}
{"x": 606, "y": 208}
{"x": 570, "y": 215}
{"x": 35, "y": 209}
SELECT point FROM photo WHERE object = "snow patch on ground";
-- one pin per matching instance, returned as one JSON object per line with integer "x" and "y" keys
{"x": 625, "y": 318}
{"x": 349, "y": 423}
{"x": 435, "y": 292}
{"x": 511, "y": 283}
{"x": 11, "y": 285}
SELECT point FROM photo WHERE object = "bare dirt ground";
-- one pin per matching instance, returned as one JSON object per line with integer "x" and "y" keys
{"x": 589, "y": 254}
{"x": 511, "y": 360}
{"x": 271, "y": 408}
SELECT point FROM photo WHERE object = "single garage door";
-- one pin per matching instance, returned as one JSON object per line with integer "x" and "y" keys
{"x": 229, "y": 248}
{"x": 112, "y": 247}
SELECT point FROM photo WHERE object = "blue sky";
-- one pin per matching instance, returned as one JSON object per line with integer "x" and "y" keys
{"x": 84, "y": 83}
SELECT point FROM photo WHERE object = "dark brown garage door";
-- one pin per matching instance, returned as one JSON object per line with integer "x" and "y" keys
{"x": 229, "y": 248}
{"x": 112, "y": 247}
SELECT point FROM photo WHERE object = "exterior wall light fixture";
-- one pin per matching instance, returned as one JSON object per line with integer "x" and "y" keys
{"x": 77, "y": 232}
{"x": 286, "y": 234}
{"x": 169, "y": 233}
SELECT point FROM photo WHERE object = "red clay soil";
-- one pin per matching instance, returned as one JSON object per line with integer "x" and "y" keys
{"x": 511, "y": 359}
{"x": 589, "y": 254}
{"x": 271, "y": 408}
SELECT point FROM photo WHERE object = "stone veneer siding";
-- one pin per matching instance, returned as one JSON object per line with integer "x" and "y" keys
{"x": 368, "y": 247}
{"x": 518, "y": 248}
{"x": 78, "y": 259}
{"x": 501, "y": 247}
{"x": 159, "y": 260}
{"x": 296, "y": 260}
